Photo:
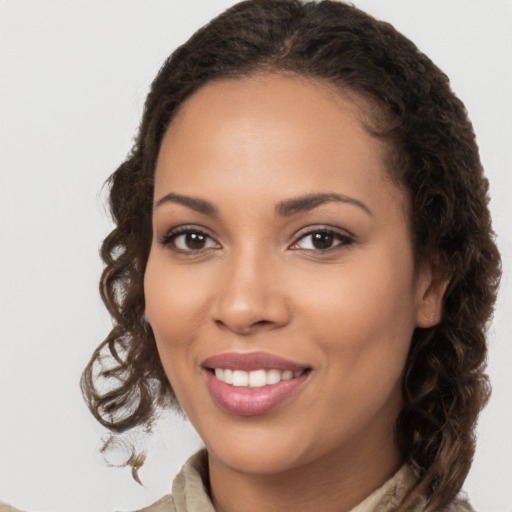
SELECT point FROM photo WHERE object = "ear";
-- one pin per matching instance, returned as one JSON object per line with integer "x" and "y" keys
{"x": 431, "y": 287}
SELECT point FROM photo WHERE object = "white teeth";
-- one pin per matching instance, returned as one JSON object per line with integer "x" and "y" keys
{"x": 228, "y": 376}
{"x": 254, "y": 379}
{"x": 257, "y": 379}
{"x": 273, "y": 376}
{"x": 240, "y": 378}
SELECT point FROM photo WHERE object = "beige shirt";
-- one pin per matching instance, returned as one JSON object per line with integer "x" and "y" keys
{"x": 7, "y": 508}
{"x": 189, "y": 493}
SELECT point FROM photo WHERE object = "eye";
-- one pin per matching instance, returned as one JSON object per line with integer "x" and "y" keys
{"x": 322, "y": 240}
{"x": 189, "y": 240}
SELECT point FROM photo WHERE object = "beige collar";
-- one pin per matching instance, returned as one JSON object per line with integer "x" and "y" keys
{"x": 189, "y": 492}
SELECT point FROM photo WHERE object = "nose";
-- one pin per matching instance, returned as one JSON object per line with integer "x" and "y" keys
{"x": 250, "y": 296}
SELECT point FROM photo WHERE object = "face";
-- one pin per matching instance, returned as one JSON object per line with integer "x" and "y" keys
{"x": 281, "y": 285}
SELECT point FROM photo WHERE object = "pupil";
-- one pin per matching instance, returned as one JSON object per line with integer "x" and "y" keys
{"x": 195, "y": 240}
{"x": 322, "y": 240}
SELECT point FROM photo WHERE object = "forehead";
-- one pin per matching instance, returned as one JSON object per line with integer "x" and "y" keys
{"x": 271, "y": 101}
{"x": 273, "y": 133}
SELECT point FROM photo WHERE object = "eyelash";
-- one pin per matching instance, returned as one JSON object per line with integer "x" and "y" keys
{"x": 170, "y": 238}
{"x": 343, "y": 239}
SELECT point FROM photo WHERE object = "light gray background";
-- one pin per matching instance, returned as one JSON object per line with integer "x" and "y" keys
{"x": 73, "y": 77}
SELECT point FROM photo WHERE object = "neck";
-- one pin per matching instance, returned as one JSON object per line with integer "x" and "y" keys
{"x": 336, "y": 482}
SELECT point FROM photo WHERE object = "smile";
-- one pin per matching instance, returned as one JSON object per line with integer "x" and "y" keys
{"x": 253, "y": 384}
{"x": 254, "y": 379}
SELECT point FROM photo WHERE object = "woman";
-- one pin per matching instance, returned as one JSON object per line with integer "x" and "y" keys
{"x": 303, "y": 262}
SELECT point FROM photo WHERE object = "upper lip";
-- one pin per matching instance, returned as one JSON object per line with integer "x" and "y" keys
{"x": 252, "y": 361}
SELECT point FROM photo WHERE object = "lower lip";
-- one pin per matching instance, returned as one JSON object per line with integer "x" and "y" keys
{"x": 245, "y": 401}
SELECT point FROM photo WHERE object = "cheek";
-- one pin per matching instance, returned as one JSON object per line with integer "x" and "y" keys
{"x": 363, "y": 323}
{"x": 174, "y": 305}
{"x": 363, "y": 310}
{"x": 173, "y": 296}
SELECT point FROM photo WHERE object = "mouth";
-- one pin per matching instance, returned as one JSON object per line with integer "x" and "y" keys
{"x": 253, "y": 384}
{"x": 255, "y": 378}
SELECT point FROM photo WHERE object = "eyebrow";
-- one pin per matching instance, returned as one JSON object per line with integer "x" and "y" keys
{"x": 311, "y": 201}
{"x": 283, "y": 209}
{"x": 194, "y": 203}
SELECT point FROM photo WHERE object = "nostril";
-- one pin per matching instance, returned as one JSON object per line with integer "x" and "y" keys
{"x": 221, "y": 324}
{"x": 263, "y": 322}
{"x": 243, "y": 327}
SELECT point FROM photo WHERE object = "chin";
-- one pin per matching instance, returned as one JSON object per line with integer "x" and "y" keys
{"x": 260, "y": 457}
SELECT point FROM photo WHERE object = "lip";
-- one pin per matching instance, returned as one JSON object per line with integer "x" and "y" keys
{"x": 252, "y": 361}
{"x": 246, "y": 401}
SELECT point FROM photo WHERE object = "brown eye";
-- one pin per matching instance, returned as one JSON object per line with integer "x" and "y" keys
{"x": 189, "y": 241}
{"x": 322, "y": 240}
{"x": 194, "y": 241}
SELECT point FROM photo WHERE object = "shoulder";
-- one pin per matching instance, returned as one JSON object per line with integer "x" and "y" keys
{"x": 165, "y": 504}
{"x": 8, "y": 508}
{"x": 399, "y": 493}
{"x": 189, "y": 489}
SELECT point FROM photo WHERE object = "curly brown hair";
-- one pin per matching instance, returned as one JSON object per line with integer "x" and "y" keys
{"x": 434, "y": 157}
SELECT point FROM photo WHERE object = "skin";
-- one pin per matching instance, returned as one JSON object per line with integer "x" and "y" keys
{"x": 259, "y": 284}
